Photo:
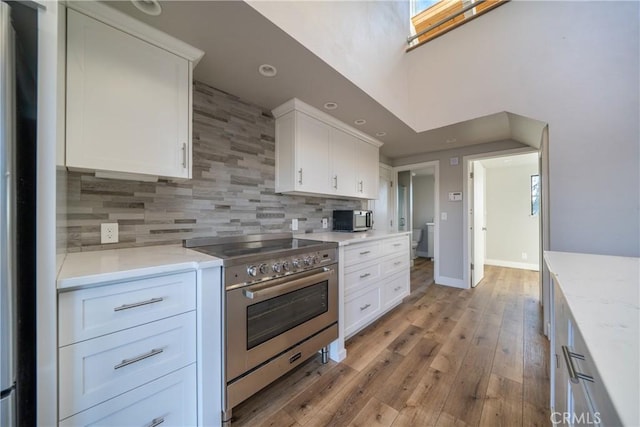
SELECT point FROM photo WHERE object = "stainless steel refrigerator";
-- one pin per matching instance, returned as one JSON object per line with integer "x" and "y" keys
{"x": 7, "y": 221}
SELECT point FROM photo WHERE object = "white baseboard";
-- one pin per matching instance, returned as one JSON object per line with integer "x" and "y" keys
{"x": 450, "y": 281}
{"x": 512, "y": 264}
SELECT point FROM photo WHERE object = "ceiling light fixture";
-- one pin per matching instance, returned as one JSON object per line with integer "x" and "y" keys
{"x": 450, "y": 140}
{"x": 267, "y": 70}
{"x": 330, "y": 105}
{"x": 381, "y": 133}
{"x": 360, "y": 122}
{"x": 150, "y": 7}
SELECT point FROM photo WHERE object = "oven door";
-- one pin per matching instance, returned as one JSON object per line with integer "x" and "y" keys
{"x": 267, "y": 318}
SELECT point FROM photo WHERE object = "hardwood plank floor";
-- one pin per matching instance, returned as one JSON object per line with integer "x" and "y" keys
{"x": 444, "y": 357}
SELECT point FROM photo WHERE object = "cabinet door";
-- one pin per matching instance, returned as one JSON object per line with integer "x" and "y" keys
{"x": 128, "y": 103}
{"x": 312, "y": 155}
{"x": 368, "y": 172}
{"x": 343, "y": 163}
{"x": 559, "y": 375}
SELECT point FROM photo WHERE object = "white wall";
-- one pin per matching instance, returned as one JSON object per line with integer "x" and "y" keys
{"x": 365, "y": 41}
{"x": 423, "y": 200}
{"x": 573, "y": 65}
{"x": 511, "y": 229}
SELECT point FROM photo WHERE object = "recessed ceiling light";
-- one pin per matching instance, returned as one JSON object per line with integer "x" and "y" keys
{"x": 450, "y": 140}
{"x": 381, "y": 133}
{"x": 267, "y": 70}
{"x": 330, "y": 105}
{"x": 150, "y": 7}
{"x": 360, "y": 122}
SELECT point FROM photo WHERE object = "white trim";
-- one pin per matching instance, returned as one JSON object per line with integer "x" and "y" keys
{"x": 451, "y": 281}
{"x": 50, "y": 121}
{"x": 467, "y": 182}
{"x": 294, "y": 104}
{"x": 512, "y": 264}
{"x": 436, "y": 214}
{"x": 136, "y": 28}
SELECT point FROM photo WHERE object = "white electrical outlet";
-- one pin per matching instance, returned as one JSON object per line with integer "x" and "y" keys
{"x": 294, "y": 224}
{"x": 524, "y": 255}
{"x": 325, "y": 222}
{"x": 109, "y": 233}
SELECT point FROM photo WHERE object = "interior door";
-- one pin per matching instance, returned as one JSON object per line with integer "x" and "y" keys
{"x": 478, "y": 221}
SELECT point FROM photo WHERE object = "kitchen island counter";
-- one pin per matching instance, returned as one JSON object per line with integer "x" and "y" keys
{"x": 346, "y": 238}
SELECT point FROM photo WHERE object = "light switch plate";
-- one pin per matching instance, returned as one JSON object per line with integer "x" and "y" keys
{"x": 443, "y": 216}
{"x": 109, "y": 233}
{"x": 325, "y": 223}
{"x": 294, "y": 224}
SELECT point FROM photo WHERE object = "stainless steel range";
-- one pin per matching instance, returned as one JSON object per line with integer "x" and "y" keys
{"x": 280, "y": 306}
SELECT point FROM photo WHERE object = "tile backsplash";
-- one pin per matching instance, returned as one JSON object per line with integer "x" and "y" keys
{"x": 232, "y": 190}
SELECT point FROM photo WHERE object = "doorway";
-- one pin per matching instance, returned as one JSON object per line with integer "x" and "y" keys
{"x": 503, "y": 221}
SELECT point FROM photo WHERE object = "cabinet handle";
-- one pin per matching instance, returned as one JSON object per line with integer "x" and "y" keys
{"x": 362, "y": 276}
{"x": 397, "y": 263}
{"x": 363, "y": 308}
{"x": 574, "y": 375}
{"x": 335, "y": 182}
{"x": 184, "y": 155}
{"x": 397, "y": 288}
{"x": 127, "y": 362}
{"x": 156, "y": 422}
{"x": 138, "y": 304}
{"x": 300, "y": 179}
{"x": 365, "y": 252}
{"x": 361, "y": 186}
{"x": 397, "y": 244}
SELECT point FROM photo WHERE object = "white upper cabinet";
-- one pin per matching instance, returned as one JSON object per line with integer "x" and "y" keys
{"x": 128, "y": 101}
{"x": 319, "y": 155}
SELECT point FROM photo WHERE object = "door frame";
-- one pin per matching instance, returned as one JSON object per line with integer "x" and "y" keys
{"x": 466, "y": 234}
{"x": 473, "y": 212}
{"x": 436, "y": 208}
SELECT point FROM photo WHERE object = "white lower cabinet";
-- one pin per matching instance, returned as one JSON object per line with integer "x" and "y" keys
{"x": 128, "y": 353}
{"x": 167, "y": 401}
{"x": 376, "y": 279}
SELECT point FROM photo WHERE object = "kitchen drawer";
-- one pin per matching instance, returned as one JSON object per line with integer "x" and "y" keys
{"x": 361, "y": 252}
{"x": 356, "y": 279}
{"x": 361, "y": 308}
{"x": 89, "y": 313}
{"x": 167, "y": 401}
{"x": 394, "y": 289}
{"x": 396, "y": 245}
{"x": 95, "y": 370}
{"x": 395, "y": 264}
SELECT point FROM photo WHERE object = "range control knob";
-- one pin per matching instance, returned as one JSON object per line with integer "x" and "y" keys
{"x": 285, "y": 266}
{"x": 263, "y": 268}
{"x": 307, "y": 261}
{"x": 276, "y": 267}
{"x": 252, "y": 271}
{"x": 295, "y": 262}
{"x": 316, "y": 259}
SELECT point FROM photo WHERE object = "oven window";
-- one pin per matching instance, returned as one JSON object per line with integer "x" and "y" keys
{"x": 270, "y": 318}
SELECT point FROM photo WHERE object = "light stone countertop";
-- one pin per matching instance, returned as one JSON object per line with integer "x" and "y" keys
{"x": 603, "y": 295}
{"x": 88, "y": 268}
{"x": 346, "y": 238}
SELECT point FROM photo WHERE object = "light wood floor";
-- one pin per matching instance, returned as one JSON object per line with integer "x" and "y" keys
{"x": 445, "y": 357}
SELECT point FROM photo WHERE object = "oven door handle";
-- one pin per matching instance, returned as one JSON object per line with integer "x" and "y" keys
{"x": 267, "y": 290}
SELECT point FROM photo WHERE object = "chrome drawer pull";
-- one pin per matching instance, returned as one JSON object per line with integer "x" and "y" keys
{"x": 300, "y": 179}
{"x": 156, "y": 422}
{"x": 127, "y": 362}
{"x": 574, "y": 375}
{"x": 397, "y": 244}
{"x": 138, "y": 304}
{"x": 365, "y": 307}
{"x": 365, "y": 252}
{"x": 397, "y": 263}
{"x": 362, "y": 276}
{"x": 335, "y": 179}
{"x": 396, "y": 289}
{"x": 184, "y": 155}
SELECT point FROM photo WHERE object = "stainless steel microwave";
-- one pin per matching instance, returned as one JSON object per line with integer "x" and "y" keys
{"x": 350, "y": 220}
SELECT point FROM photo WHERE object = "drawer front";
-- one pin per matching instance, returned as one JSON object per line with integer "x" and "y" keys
{"x": 167, "y": 401}
{"x": 396, "y": 245}
{"x": 361, "y": 252}
{"x": 395, "y": 289}
{"x": 361, "y": 309}
{"x": 89, "y": 313}
{"x": 358, "y": 278}
{"x": 96, "y": 370}
{"x": 395, "y": 264}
